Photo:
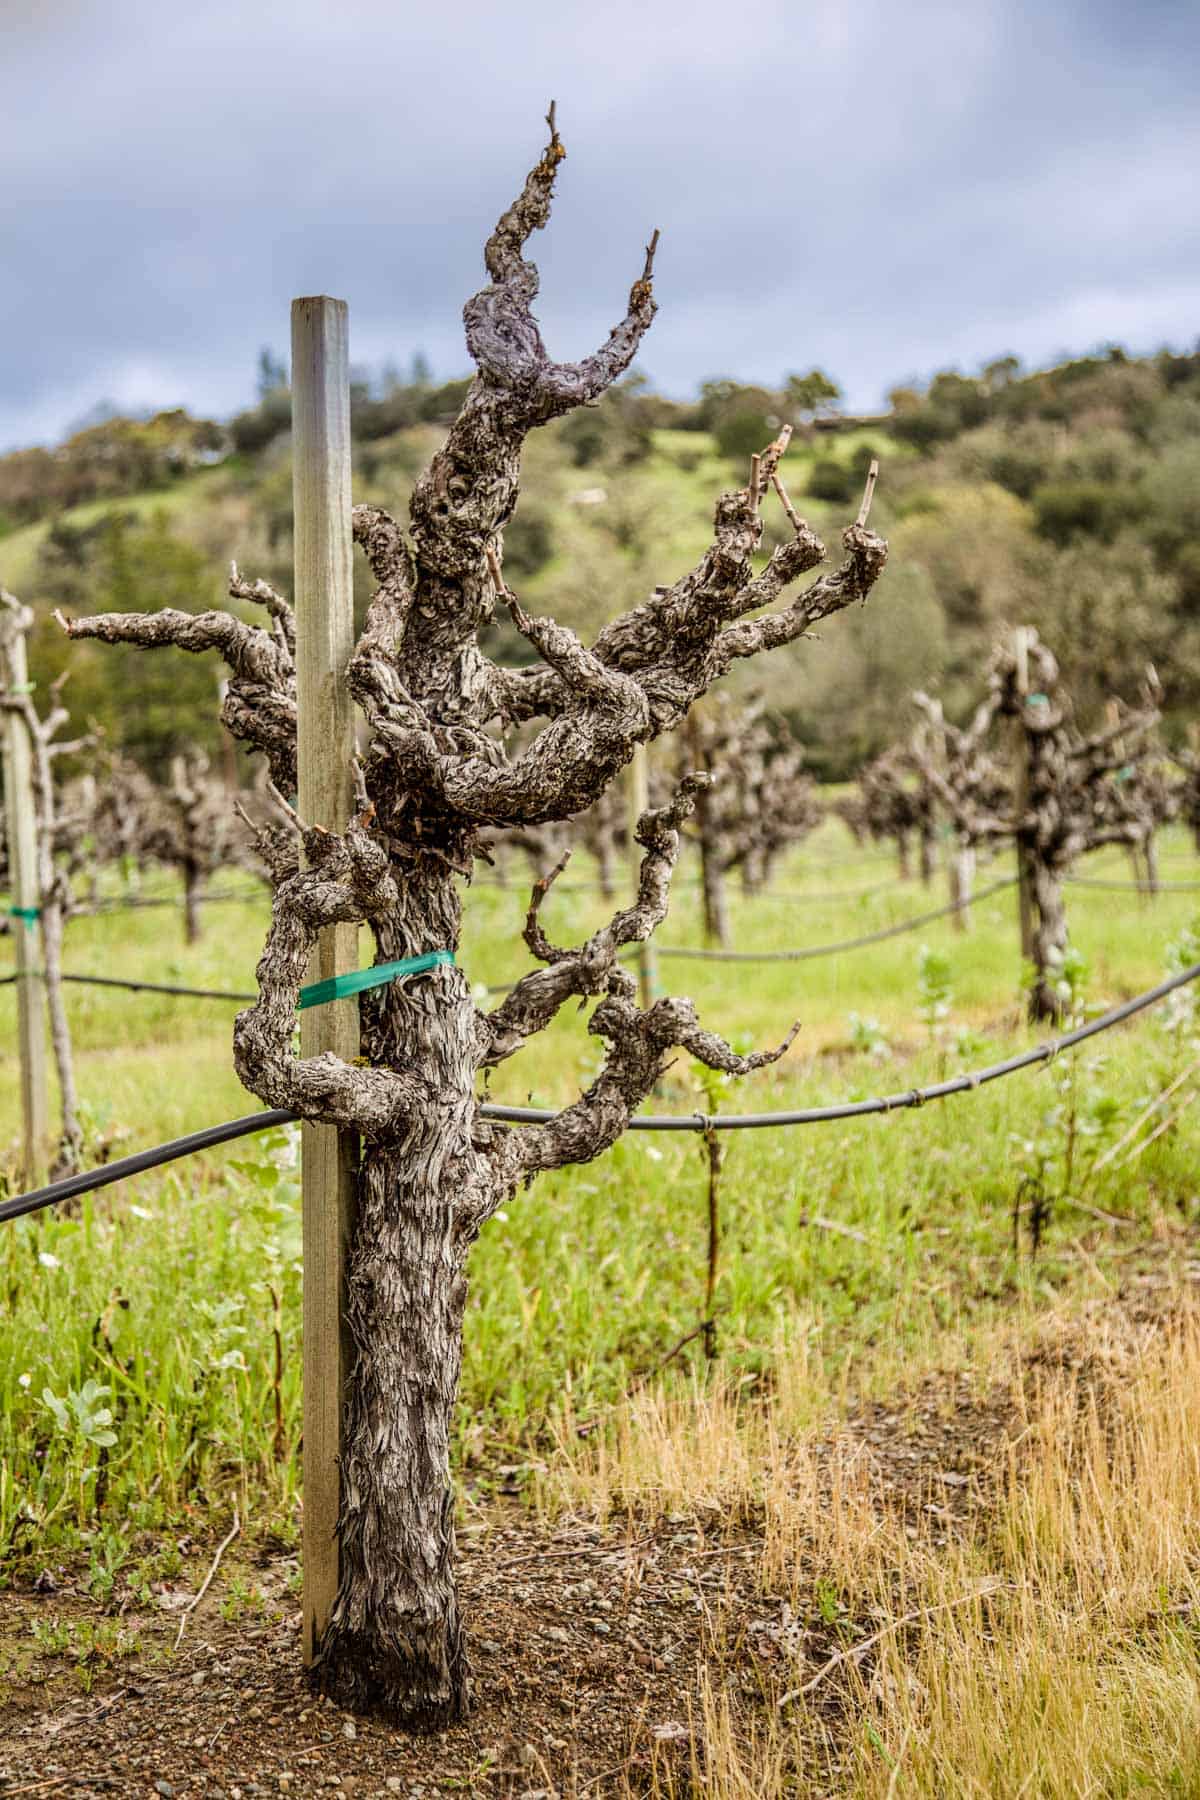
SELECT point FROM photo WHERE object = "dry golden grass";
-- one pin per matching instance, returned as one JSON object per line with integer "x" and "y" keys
{"x": 1044, "y": 1642}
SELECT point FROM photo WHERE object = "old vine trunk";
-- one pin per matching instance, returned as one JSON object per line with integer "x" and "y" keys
{"x": 444, "y": 771}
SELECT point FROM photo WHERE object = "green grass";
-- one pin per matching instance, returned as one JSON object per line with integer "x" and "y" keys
{"x": 165, "y": 1290}
{"x": 20, "y": 549}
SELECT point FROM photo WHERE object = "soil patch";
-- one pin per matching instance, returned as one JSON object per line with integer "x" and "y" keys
{"x": 587, "y": 1645}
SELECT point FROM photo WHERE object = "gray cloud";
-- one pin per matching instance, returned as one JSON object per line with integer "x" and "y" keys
{"x": 879, "y": 189}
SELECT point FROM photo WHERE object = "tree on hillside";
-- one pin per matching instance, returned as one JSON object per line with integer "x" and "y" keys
{"x": 810, "y": 396}
{"x": 151, "y": 711}
{"x": 436, "y": 774}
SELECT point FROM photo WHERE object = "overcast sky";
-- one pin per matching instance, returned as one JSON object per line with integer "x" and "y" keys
{"x": 876, "y": 187}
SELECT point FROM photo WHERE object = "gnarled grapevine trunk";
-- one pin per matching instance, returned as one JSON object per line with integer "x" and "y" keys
{"x": 395, "y": 1642}
{"x": 1069, "y": 793}
{"x": 441, "y": 771}
{"x": 71, "y": 1144}
{"x": 1049, "y": 945}
{"x": 193, "y": 889}
{"x": 961, "y": 872}
{"x": 714, "y": 891}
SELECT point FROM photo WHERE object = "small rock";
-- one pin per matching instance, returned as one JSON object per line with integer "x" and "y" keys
{"x": 349, "y": 1729}
{"x": 394, "y": 1784}
{"x": 489, "y": 1647}
{"x": 165, "y": 1789}
{"x": 671, "y": 1732}
{"x": 557, "y": 1635}
{"x": 199, "y": 1678}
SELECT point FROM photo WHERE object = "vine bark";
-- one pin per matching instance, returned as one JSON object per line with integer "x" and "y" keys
{"x": 440, "y": 771}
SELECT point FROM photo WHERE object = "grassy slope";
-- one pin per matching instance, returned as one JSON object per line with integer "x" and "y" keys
{"x": 591, "y": 1277}
{"x": 183, "y": 503}
{"x": 857, "y": 1260}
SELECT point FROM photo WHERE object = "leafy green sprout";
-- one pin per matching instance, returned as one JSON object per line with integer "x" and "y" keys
{"x": 80, "y": 1417}
{"x": 867, "y": 1036}
{"x": 935, "y": 988}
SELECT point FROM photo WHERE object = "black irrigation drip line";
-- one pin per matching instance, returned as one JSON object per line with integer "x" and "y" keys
{"x": 191, "y": 993}
{"x": 855, "y": 943}
{"x": 857, "y": 1109}
{"x": 832, "y": 895}
{"x": 678, "y": 951}
{"x": 87, "y": 1181}
{"x": 870, "y": 937}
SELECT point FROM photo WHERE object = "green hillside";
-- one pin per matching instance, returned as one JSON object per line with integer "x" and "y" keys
{"x": 1068, "y": 497}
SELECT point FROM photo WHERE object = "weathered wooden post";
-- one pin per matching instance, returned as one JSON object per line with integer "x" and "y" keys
{"x": 1021, "y": 791}
{"x": 639, "y": 800}
{"x": 324, "y": 602}
{"x": 25, "y": 906}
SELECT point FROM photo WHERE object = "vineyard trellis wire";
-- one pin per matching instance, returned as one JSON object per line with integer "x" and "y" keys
{"x": 145, "y": 987}
{"x": 806, "y": 952}
{"x": 88, "y": 1181}
{"x": 801, "y": 954}
{"x": 1131, "y": 887}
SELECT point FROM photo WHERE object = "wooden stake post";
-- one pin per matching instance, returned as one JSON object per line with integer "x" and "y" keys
{"x": 22, "y": 850}
{"x": 324, "y": 602}
{"x": 639, "y": 800}
{"x": 1021, "y": 756}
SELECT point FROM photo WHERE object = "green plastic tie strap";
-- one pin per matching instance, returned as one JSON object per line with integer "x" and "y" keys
{"x": 340, "y": 987}
{"x": 30, "y": 914}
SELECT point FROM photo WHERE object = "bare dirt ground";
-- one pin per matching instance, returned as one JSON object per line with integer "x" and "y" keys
{"x": 587, "y": 1645}
{"x": 586, "y": 1648}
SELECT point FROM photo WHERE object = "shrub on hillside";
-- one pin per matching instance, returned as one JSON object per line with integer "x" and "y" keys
{"x": 1066, "y": 510}
{"x": 740, "y": 435}
{"x": 831, "y": 480}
